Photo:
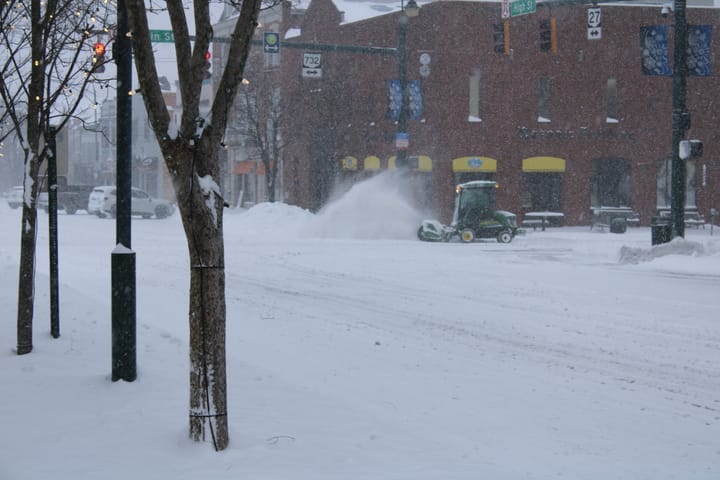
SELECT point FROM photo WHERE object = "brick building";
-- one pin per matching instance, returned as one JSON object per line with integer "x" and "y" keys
{"x": 563, "y": 127}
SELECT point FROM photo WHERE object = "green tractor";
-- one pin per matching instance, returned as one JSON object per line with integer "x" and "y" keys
{"x": 475, "y": 217}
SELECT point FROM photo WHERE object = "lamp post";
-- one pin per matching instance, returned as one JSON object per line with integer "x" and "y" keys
{"x": 680, "y": 120}
{"x": 410, "y": 10}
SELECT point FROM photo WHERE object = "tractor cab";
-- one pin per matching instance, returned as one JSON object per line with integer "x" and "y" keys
{"x": 475, "y": 217}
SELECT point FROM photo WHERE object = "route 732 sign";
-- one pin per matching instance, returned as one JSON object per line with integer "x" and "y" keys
{"x": 312, "y": 65}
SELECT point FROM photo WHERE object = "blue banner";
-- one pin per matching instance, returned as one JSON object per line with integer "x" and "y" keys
{"x": 698, "y": 43}
{"x": 415, "y": 101}
{"x": 394, "y": 100}
{"x": 654, "y": 50}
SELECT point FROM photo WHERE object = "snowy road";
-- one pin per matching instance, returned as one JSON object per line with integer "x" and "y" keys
{"x": 393, "y": 358}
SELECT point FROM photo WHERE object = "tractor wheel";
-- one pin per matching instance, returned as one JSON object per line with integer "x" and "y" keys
{"x": 467, "y": 235}
{"x": 419, "y": 234}
{"x": 505, "y": 236}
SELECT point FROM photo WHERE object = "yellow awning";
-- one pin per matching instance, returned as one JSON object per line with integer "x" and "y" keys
{"x": 349, "y": 163}
{"x": 419, "y": 163}
{"x": 371, "y": 163}
{"x": 543, "y": 164}
{"x": 474, "y": 164}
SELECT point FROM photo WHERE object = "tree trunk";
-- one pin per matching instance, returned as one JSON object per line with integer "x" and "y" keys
{"x": 201, "y": 210}
{"x": 26, "y": 284}
{"x": 28, "y": 245}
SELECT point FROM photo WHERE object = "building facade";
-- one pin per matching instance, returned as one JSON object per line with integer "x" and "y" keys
{"x": 563, "y": 122}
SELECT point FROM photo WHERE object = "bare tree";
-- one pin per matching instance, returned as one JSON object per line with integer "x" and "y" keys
{"x": 45, "y": 68}
{"x": 260, "y": 110}
{"x": 191, "y": 153}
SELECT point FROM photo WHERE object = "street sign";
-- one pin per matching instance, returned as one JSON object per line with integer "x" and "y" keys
{"x": 312, "y": 65}
{"x": 162, "y": 36}
{"x": 522, "y": 7}
{"x": 424, "y": 64}
{"x": 594, "y": 24}
{"x": 402, "y": 140}
{"x": 505, "y": 9}
{"x": 271, "y": 42}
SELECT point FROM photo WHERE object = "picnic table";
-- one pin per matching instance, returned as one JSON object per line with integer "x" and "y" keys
{"x": 541, "y": 218}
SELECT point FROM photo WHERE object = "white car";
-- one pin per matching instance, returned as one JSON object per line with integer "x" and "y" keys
{"x": 15, "y": 196}
{"x": 103, "y": 203}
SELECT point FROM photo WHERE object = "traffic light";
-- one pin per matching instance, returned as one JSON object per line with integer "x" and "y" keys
{"x": 99, "y": 58}
{"x": 690, "y": 149}
{"x": 501, "y": 37}
{"x": 548, "y": 35}
{"x": 208, "y": 65}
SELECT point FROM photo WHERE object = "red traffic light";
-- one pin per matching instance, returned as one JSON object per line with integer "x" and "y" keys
{"x": 207, "y": 55}
{"x": 99, "y": 49}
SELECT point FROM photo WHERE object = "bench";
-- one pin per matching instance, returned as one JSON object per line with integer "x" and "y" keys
{"x": 694, "y": 222}
{"x": 602, "y": 217}
{"x": 535, "y": 224}
{"x": 692, "y": 217}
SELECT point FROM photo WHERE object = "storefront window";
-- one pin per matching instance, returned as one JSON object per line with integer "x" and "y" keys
{"x": 611, "y": 184}
{"x": 542, "y": 191}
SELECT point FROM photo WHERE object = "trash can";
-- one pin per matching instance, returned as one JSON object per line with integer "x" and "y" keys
{"x": 660, "y": 230}
{"x": 618, "y": 225}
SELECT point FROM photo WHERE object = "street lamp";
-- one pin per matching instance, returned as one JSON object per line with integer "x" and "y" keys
{"x": 680, "y": 120}
{"x": 412, "y": 9}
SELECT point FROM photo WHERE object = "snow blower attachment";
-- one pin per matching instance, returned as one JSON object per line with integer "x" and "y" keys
{"x": 475, "y": 217}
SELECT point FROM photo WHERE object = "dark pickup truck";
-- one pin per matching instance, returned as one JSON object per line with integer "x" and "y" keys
{"x": 70, "y": 198}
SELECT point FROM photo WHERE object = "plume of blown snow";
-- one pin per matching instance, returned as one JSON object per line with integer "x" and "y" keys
{"x": 378, "y": 208}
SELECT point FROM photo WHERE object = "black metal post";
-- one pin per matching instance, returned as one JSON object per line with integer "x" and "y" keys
{"x": 124, "y": 365}
{"x": 680, "y": 119}
{"x": 51, "y": 154}
{"x": 401, "y": 155}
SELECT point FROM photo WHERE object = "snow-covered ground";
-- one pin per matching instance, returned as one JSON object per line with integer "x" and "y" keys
{"x": 357, "y": 352}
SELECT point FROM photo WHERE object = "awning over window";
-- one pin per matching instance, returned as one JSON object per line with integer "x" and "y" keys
{"x": 371, "y": 163}
{"x": 474, "y": 164}
{"x": 543, "y": 164}
{"x": 349, "y": 163}
{"x": 420, "y": 163}
{"x": 244, "y": 167}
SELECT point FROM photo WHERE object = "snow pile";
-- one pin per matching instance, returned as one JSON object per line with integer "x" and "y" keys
{"x": 679, "y": 246}
{"x": 273, "y": 220}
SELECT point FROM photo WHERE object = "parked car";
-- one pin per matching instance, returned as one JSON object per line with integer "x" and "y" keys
{"x": 14, "y": 196}
{"x": 103, "y": 203}
{"x": 70, "y": 198}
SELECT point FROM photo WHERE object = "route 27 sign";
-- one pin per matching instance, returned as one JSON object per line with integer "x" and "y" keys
{"x": 312, "y": 65}
{"x": 594, "y": 24}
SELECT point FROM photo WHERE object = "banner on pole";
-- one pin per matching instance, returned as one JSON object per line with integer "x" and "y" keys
{"x": 698, "y": 43}
{"x": 394, "y": 100}
{"x": 654, "y": 50}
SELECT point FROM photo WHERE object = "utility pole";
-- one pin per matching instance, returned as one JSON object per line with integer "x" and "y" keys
{"x": 124, "y": 350}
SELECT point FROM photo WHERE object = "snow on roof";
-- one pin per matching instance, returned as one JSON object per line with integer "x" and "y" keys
{"x": 357, "y": 10}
